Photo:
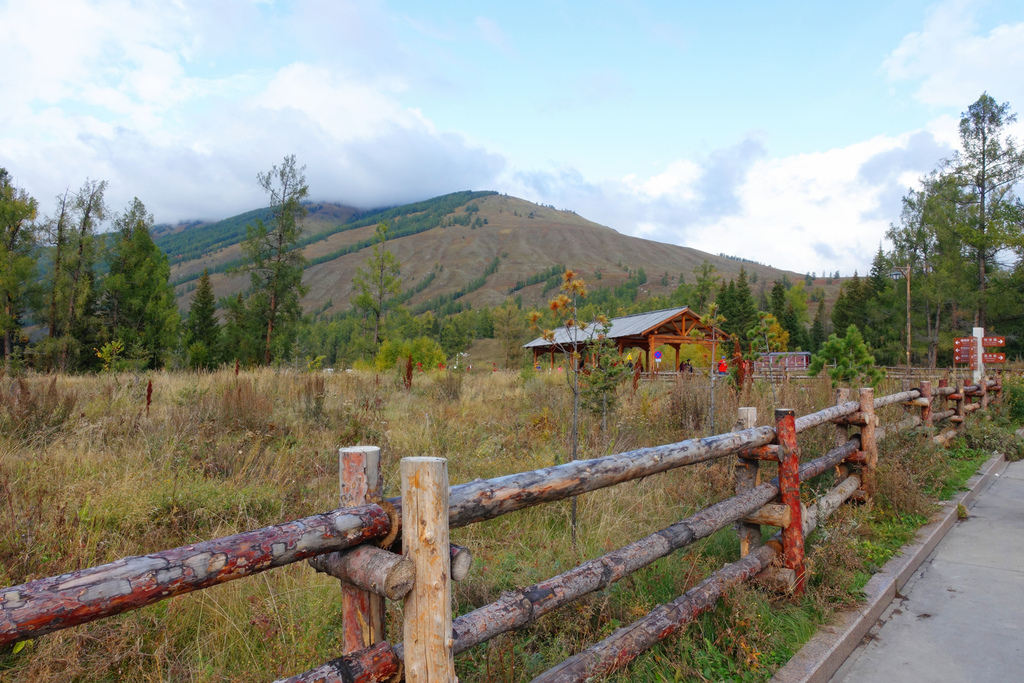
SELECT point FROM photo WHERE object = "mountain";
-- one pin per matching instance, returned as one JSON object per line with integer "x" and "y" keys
{"x": 482, "y": 242}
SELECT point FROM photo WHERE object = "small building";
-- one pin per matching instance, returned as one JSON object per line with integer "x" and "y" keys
{"x": 642, "y": 331}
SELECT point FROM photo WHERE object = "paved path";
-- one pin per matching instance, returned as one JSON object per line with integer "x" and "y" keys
{"x": 961, "y": 615}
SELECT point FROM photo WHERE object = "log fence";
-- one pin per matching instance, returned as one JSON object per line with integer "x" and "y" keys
{"x": 354, "y": 542}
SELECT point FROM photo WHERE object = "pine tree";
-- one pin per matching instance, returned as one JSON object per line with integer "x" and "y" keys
{"x": 275, "y": 266}
{"x": 380, "y": 281}
{"x": 818, "y": 331}
{"x": 138, "y": 302}
{"x": 202, "y": 336}
{"x": 745, "y": 314}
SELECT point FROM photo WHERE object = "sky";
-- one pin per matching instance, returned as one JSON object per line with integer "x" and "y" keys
{"x": 781, "y": 132}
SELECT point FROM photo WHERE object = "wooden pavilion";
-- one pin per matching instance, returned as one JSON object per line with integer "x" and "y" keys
{"x": 643, "y": 331}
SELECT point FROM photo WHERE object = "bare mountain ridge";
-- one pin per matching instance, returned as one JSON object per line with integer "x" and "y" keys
{"x": 526, "y": 238}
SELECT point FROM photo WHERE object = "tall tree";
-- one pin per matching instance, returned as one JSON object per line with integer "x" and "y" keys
{"x": 704, "y": 286}
{"x": 138, "y": 302}
{"x": 77, "y": 289}
{"x": 379, "y": 282}
{"x": 987, "y": 168}
{"x": 509, "y": 328}
{"x": 57, "y": 231}
{"x": 275, "y": 266}
{"x": 18, "y": 239}
{"x": 202, "y": 331}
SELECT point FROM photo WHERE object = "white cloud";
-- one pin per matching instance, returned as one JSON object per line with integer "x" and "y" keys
{"x": 181, "y": 105}
{"x": 806, "y": 212}
{"x": 955, "y": 62}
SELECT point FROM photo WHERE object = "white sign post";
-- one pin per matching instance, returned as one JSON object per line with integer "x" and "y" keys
{"x": 979, "y": 370}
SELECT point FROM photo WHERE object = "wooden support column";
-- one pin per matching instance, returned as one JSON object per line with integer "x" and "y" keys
{"x": 867, "y": 441}
{"x": 842, "y": 433}
{"x": 961, "y": 399}
{"x": 926, "y": 410}
{"x": 362, "y": 612}
{"x": 984, "y": 392}
{"x": 943, "y": 383}
{"x": 427, "y": 624}
{"x": 747, "y": 477}
{"x": 789, "y": 493}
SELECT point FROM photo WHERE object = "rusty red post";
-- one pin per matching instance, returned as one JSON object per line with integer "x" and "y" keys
{"x": 926, "y": 410}
{"x": 362, "y": 611}
{"x": 789, "y": 493}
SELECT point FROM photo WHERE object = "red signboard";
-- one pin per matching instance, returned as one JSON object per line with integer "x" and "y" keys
{"x": 963, "y": 341}
{"x": 993, "y": 341}
{"x": 993, "y": 357}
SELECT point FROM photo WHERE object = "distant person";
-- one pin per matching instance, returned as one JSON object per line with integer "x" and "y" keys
{"x": 722, "y": 367}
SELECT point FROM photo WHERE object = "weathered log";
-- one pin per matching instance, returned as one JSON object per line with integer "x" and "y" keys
{"x": 856, "y": 419}
{"x": 789, "y": 495}
{"x": 943, "y": 438}
{"x": 944, "y": 415}
{"x": 622, "y": 646}
{"x": 370, "y": 665}
{"x": 842, "y": 432}
{"x": 769, "y": 452}
{"x": 771, "y": 515}
{"x": 462, "y": 561}
{"x": 868, "y": 443}
{"x": 748, "y": 476}
{"x": 958, "y": 419}
{"x": 427, "y": 621}
{"x": 920, "y": 402}
{"x": 926, "y": 396}
{"x": 943, "y": 390}
{"x": 823, "y": 416}
{"x": 479, "y": 500}
{"x": 46, "y": 605}
{"x": 370, "y": 568}
{"x": 362, "y": 609}
{"x": 900, "y": 397}
{"x": 970, "y": 408}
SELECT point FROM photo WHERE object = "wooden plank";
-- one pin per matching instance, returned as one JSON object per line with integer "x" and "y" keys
{"x": 427, "y": 623}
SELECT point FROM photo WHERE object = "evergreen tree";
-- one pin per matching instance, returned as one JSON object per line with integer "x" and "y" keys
{"x": 745, "y": 313}
{"x": 880, "y": 270}
{"x": 275, "y": 266}
{"x": 202, "y": 331}
{"x": 138, "y": 302}
{"x": 777, "y": 303}
{"x": 818, "y": 331}
{"x": 847, "y": 359}
{"x": 987, "y": 168}
{"x": 18, "y": 239}
{"x": 380, "y": 281}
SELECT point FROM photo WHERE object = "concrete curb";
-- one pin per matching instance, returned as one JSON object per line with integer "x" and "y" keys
{"x": 826, "y": 651}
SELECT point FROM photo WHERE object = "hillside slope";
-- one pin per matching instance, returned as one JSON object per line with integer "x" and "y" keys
{"x": 526, "y": 238}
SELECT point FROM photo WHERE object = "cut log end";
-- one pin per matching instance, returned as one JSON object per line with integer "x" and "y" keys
{"x": 462, "y": 562}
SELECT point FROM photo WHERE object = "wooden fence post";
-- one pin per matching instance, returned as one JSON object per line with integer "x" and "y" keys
{"x": 867, "y": 441}
{"x": 362, "y": 611}
{"x": 983, "y": 385}
{"x": 427, "y": 624}
{"x": 961, "y": 400}
{"x": 842, "y": 433}
{"x": 789, "y": 493}
{"x": 943, "y": 383}
{"x": 926, "y": 410}
{"x": 747, "y": 477}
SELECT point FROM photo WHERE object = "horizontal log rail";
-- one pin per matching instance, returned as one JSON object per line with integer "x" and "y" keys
{"x": 46, "y": 605}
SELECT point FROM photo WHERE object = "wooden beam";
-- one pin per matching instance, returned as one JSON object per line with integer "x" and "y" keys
{"x": 362, "y": 609}
{"x": 427, "y": 622}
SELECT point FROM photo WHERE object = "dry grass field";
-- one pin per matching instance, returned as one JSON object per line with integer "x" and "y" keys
{"x": 90, "y": 473}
